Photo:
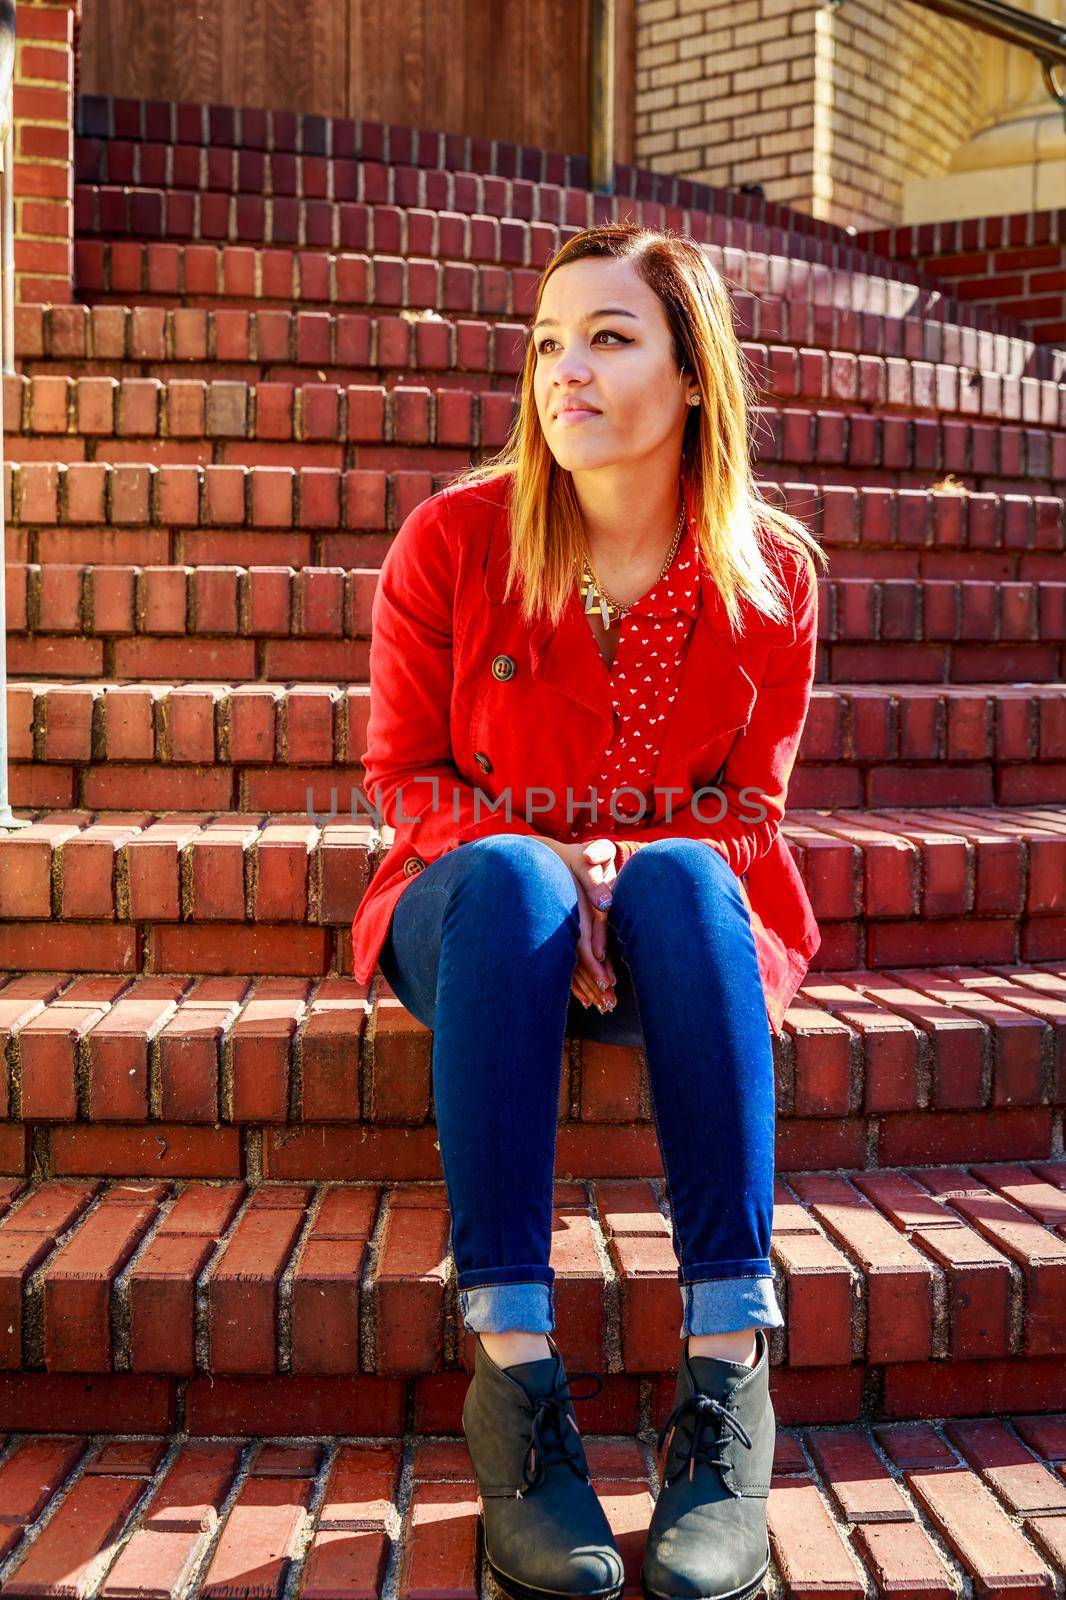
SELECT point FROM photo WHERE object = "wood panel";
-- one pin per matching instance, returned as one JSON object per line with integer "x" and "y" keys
{"x": 289, "y": 55}
{"x": 495, "y": 69}
{"x": 512, "y": 69}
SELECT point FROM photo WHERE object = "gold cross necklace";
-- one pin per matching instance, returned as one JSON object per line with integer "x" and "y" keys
{"x": 596, "y": 596}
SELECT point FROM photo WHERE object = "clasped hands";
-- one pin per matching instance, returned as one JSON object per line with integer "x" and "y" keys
{"x": 595, "y": 866}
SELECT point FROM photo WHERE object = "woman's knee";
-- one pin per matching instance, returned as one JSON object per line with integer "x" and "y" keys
{"x": 681, "y": 858}
{"x": 515, "y": 873}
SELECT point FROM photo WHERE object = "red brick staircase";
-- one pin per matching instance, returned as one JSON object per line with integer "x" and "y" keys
{"x": 230, "y": 1355}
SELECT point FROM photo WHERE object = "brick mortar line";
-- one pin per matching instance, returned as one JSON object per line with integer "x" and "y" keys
{"x": 104, "y": 1559}
{"x": 610, "y": 1280}
{"x": 858, "y": 1296}
{"x": 120, "y": 1352}
{"x": 938, "y": 1274}
{"x": 848, "y": 1529}
{"x": 250, "y": 1450}
{"x": 33, "y": 1292}
{"x": 368, "y": 1292}
{"x": 202, "y": 1291}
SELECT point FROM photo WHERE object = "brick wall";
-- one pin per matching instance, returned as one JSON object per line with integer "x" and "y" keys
{"x": 1015, "y": 264}
{"x": 44, "y": 149}
{"x": 830, "y": 111}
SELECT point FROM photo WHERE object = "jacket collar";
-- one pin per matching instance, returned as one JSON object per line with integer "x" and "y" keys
{"x": 715, "y": 694}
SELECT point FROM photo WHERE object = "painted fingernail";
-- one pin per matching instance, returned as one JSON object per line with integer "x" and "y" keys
{"x": 603, "y": 902}
{"x": 601, "y": 983}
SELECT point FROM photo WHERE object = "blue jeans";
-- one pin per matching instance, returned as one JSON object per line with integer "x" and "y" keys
{"x": 481, "y": 948}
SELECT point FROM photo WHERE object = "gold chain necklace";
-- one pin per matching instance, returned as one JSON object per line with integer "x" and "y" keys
{"x": 595, "y": 595}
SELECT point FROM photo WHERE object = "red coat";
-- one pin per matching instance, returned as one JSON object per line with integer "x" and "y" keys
{"x": 464, "y": 693}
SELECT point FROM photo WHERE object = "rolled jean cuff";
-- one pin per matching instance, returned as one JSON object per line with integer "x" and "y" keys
{"x": 729, "y": 1305}
{"x": 506, "y": 1307}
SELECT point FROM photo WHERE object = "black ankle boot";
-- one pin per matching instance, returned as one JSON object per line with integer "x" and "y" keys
{"x": 546, "y": 1534}
{"x": 707, "y": 1539}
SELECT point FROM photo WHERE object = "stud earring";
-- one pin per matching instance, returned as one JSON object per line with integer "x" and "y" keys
{"x": 693, "y": 399}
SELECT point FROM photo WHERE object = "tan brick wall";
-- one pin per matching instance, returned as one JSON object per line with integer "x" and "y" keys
{"x": 44, "y": 150}
{"x": 830, "y": 111}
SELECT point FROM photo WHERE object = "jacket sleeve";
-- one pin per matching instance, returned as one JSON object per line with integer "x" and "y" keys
{"x": 762, "y": 759}
{"x": 411, "y": 677}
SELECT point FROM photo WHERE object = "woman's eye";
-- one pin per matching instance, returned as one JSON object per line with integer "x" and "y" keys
{"x": 608, "y": 331}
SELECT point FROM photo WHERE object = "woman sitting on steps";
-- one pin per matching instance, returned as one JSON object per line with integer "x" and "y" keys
{"x": 591, "y": 663}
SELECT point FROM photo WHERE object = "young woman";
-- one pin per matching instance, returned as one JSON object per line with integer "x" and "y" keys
{"x": 591, "y": 663}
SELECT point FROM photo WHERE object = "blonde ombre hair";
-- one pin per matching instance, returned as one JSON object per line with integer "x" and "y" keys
{"x": 547, "y": 530}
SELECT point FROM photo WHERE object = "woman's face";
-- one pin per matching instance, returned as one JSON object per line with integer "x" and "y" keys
{"x": 603, "y": 342}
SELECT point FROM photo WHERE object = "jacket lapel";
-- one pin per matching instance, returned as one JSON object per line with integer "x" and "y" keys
{"x": 715, "y": 694}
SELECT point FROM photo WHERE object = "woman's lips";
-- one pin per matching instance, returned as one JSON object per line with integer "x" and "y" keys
{"x": 576, "y": 416}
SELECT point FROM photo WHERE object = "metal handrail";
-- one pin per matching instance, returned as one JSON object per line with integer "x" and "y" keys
{"x": 1008, "y": 23}
{"x": 7, "y": 349}
{"x": 1044, "y": 39}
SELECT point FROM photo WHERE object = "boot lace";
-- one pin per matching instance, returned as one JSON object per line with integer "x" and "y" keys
{"x": 705, "y": 1409}
{"x": 553, "y": 1431}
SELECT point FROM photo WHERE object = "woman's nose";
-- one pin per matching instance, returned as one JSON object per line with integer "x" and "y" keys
{"x": 570, "y": 369}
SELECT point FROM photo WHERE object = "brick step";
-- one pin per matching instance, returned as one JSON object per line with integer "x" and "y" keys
{"x": 370, "y": 426}
{"x": 497, "y": 214}
{"x": 436, "y": 172}
{"x": 286, "y": 425}
{"x": 147, "y": 515}
{"x": 149, "y": 1070}
{"x": 353, "y": 204}
{"x": 115, "y": 130}
{"x": 155, "y": 191}
{"x": 393, "y": 255}
{"x": 108, "y": 118}
{"x": 113, "y": 273}
{"x": 259, "y": 347}
{"x": 176, "y": 165}
{"x": 875, "y": 1270}
{"x": 375, "y": 209}
{"x": 279, "y": 345}
{"x": 406, "y": 152}
{"x": 63, "y": 617}
{"x": 166, "y": 192}
{"x": 962, "y": 1504}
{"x": 159, "y": 738}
